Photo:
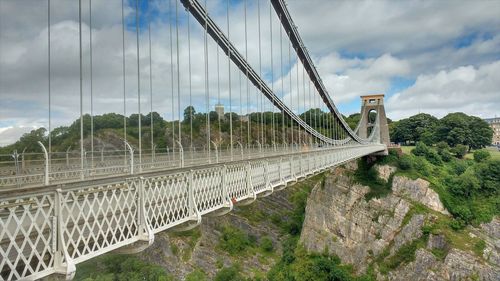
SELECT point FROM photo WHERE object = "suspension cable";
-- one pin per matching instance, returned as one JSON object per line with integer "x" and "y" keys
{"x": 241, "y": 109}
{"x": 91, "y": 90}
{"x": 291, "y": 94}
{"x": 172, "y": 76}
{"x": 49, "y": 79}
{"x": 272, "y": 72}
{"x": 249, "y": 121}
{"x": 81, "y": 84}
{"x": 178, "y": 71}
{"x": 304, "y": 99}
{"x": 282, "y": 84}
{"x": 124, "y": 89}
{"x": 229, "y": 76}
{"x": 150, "y": 86}
{"x": 260, "y": 73}
{"x": 218, "y": 94}
{"x": 207, "y": 89}
{"x": 298, "y": 102}
{"x": 138, "y": 82}
{"x": 190, "y": 84}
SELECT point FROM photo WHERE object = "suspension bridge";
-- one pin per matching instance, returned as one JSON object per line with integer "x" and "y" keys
{"x": 61, "y": 208}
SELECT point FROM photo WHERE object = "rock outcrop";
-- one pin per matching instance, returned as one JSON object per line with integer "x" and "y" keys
{"x": 340, "y": 220}
{"x": 385, "y": 171}
{"x": 417, "y": 190}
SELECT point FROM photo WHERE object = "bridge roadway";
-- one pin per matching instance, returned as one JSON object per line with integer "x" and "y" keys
{"x": 49, "y": 229}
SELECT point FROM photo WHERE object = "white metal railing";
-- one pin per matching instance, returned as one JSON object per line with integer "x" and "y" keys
{"x": 49, "y": 231}
{"x": 117, "y": 164}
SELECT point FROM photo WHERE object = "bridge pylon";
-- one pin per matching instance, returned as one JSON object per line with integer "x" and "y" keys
{"x": 372, "y": 107}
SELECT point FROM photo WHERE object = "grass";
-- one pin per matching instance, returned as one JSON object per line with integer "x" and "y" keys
{"x": 120, "y": 267}
{"x": 407, "y": 149}
{"x": 192, "y": 236}
{"x": 403, "y": 255}
{"x": 494, "y": 152}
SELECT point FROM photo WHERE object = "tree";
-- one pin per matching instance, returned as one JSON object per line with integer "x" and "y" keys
{"x": 189, "y": 113}
{"x": 459, "y": 150}
{"x": 480, "y": 133}
{"x": 30, "y": 140}
{"x": 488, "y": 173}
{"x": 481, "y": 155}
{"x": 453, "y": 129}
{"x": 416, "y": 128}
{"x": 353, "y": 120}
{"x": 459, "y": 128}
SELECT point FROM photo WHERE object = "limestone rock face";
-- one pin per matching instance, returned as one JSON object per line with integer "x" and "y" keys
{"x": 437, "y": 242}
{"x": 460, "y": 265}
{"x": 492, "y": 228}
{"x": 492, "y": 238}
{"x": 338, "y": 218}
{"x": 423, "y": 268}
{"x": 409, "y": 232}
{"x": 418, "y": 190}
{"x": 384, "y": 171}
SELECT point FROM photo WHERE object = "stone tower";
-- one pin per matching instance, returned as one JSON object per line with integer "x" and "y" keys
{"x": 219, "y": 108}
{"x": 373, "y": 104}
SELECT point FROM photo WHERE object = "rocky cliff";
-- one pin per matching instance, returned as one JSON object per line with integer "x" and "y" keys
{"x": 402, "y": 236}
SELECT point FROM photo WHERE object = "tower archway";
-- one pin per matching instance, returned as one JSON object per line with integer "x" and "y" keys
{"x": 372, "y": 108}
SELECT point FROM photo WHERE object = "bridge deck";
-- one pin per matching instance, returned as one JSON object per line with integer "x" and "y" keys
{"x": 48, "y": 229}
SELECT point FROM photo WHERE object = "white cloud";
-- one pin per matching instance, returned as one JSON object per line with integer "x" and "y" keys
{"x": 389, "y": 39}
{"x": 9, "y": 135}
{"x": 347, "y": 79}
{"x": 473, "y": 90}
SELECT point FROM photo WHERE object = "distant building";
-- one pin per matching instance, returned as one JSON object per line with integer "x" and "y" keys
{"x": 219, "y": 109}
{"x": 495, "y": 125}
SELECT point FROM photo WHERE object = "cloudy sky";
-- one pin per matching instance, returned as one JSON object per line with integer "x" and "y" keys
{"x": 426, "y": 56}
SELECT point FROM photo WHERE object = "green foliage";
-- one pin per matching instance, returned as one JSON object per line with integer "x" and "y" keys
{"x": 367, "y": 175}
{"x": 403, "y": 255}
{"x": 430, "y": 154}
{"x": 416, "y": 128}
{"x": 481, "y": 155}
{"x": 422, "y": 166}
{"x": 445, "y": 155}
{"x": 488, "y": 173}
{"x": 234, "y": 240}
{"x": 459, "y": 167}
{"x": 196, "y": 275}
{"x": 459, "y": 150}
{"x": 299, "y": 199}
{"x": 266, "y": 244}
{"x": 306, "y": 266}
{"x": 468, "y": 189}
{"x": 453, "y": 129}
{"x": 421, "y": 149}
{"x": 120, "y": 267}
{"x": 232, "y": 273}
{"x": 479, "y": 247}
{"x": 405, "y": 162}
